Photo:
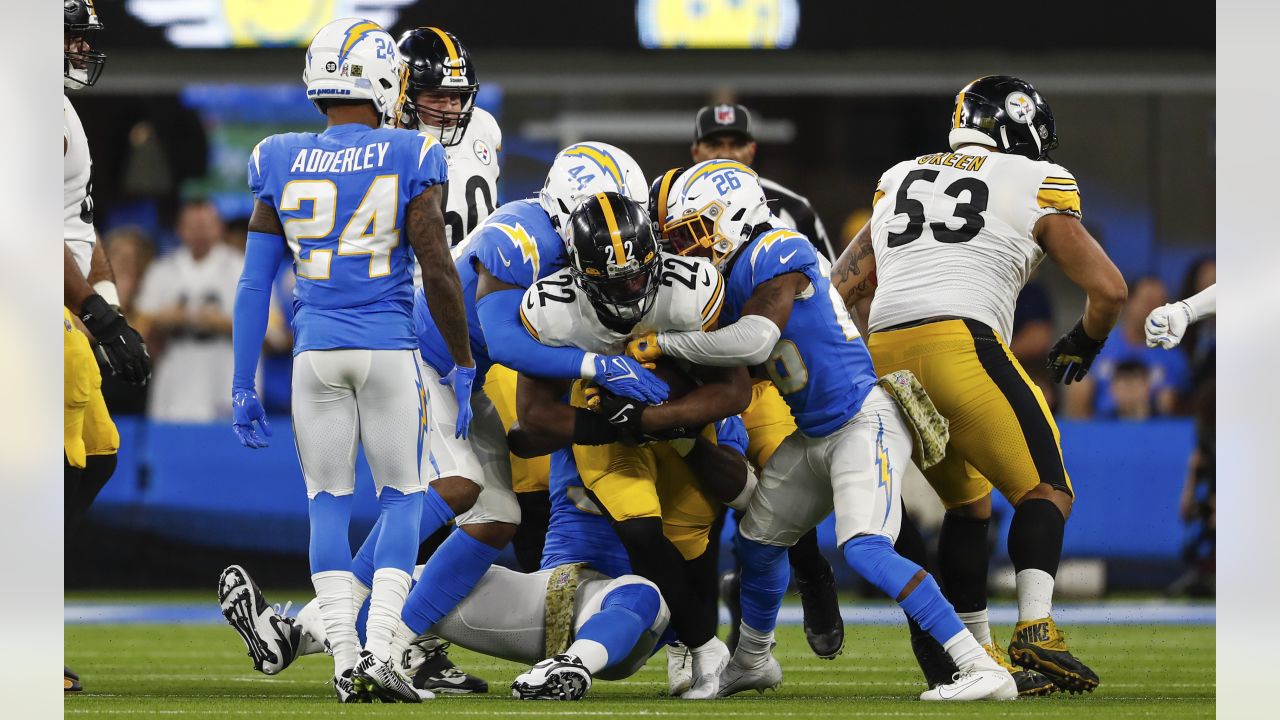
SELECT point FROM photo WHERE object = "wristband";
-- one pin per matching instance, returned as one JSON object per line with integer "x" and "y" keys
{"x": 107, "y": 289}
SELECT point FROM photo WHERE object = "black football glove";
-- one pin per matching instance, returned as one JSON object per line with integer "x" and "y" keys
{"x": 1071, "y": 356}
{"x": 621, "y": 412}
{"x": 118, "y": 346}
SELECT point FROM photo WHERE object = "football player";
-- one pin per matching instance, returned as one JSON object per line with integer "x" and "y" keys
{"x": 618, "y": 283}
{"x": 508, "y": 252}
{"x": 768, "y": 422}
{"x": 89, "y": 439}
{"x": 572, "y": 617}
{"x": 852, "y": 442}
{"x": 952, "y": 239}
{"x": 341, "y": 201}
{"x": 1168, "y": 323}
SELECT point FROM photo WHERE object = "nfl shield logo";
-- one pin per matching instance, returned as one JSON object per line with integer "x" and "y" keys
{"x": 724, "y": 114}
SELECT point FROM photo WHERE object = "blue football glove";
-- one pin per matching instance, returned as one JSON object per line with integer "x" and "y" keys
{"x": 732, "y": 433}
{"x": 461, "y": 379}
{"x": 245, "y": 409}
{"x": 625, "y": 377}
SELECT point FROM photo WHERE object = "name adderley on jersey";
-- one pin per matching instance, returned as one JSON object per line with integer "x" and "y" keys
{"x": 955, "y": 230}
{"x": 690, "y": 296}
{"x": 77, "y": 204}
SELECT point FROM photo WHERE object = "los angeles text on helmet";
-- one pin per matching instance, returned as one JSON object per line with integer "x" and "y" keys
{"x": 959, "y": 161}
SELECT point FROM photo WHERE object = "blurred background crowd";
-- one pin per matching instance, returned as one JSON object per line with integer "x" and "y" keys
{"x": 184, "y": 99}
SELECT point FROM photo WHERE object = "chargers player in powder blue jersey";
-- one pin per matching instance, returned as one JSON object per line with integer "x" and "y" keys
{"x": 343, "y": 203}
{"x": 520, "y": 243}
{"x": 853, "y": 442}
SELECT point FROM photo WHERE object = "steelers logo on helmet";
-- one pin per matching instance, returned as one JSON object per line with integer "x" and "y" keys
{"x": 614, "y": 257}
{"x": 1020, "y": 107}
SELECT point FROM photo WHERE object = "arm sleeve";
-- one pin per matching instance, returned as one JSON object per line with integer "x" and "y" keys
{"x": 511, "y": 344}
{"x": 263, "y": 253}
{"x": 746, "y": 342}
{"x": 1204, "y": 303}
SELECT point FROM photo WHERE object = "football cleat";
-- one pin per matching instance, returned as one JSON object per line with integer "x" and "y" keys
{"x": 271, "y": 638}
{"x": 993, "y": 684}
{"x": 346, "y": 690}
{"x": 679, "y": 669}
{"x": 1039, "y": 645}
{"x": 427, "y": 662}
{"x": 707, "y": 668}
{"x": 1030, "y": 683}
{"x": 70, "y": 681}
{"x": 731, "y": 596}
{"x": 384, "y": 681}
{"x": 934, "y": 662}
{"x": 823, "y": 626}
{"x": 738, "y": 677}
{"x": 562, "y": 677}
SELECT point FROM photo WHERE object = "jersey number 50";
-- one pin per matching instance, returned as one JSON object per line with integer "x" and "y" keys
{"x": 372, "y": 229}
{"x": 970, "y": 212}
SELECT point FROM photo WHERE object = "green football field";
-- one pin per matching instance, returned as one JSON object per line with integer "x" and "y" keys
{"x": 1162, "y": 671}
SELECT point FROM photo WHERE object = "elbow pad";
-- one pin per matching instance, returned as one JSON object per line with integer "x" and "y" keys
{"x": 746, "y": 342}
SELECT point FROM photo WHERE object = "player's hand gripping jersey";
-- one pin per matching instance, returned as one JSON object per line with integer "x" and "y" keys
{"x": 354, "y": 287}
{"x": 953, "y": 234}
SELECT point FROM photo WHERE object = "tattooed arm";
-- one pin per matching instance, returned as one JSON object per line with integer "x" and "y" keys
{"x": 440, "y": 283}
{"x": 854, "y": 276}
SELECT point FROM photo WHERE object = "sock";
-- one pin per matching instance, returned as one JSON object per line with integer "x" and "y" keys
{"x": 910, "y": 543}
{"x": 753, "y": 644}
{"x": 977, "y": 624}
{"x": 703, "y": 583}
{"x": 71, "y": 477}
{"x": 359, "y": 594}
{"x": 962, "y": 562}
{"x": 450, "y": 574}
{"x": 765, "y": 576}
{"x": 98, "y": 469}
{"x": 873, "y": 558}
{"x": 1035, "y": 544}
{"x": 967, "y": 653}
{"x": 431, "y": 543}
{"x": 330, "y": 546}
{"x": 1035, "y": 595}
{"x": 401, "y": 638}
{"x": 434, "y": 514}
{"x": 313, "y": 635}
{"x": 654, "y": 558}
{"x": 390, "y": 588}
{"x": 531, "y": 535}
{"x": 807, "y": 562}
{"x": 611, "y": 634}
{"x": 333, "y": 595}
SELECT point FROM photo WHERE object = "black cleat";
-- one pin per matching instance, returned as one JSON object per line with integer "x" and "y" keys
{"x": 562, "y": 677}
{"x": 1039, "y": 645}
{"x": 1030, "y": 683}
{"x": 823, "y": 626}
{"x": 731, "y": 596}
{"x": 272, "y": 638}
{"x": 935, "y": 663}
{"x": 427, "y": 662}
{"x": 70, "y": 681}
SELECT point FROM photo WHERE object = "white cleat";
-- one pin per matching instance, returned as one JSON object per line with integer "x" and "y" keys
{"x": 271, "y": 638}
{"x": 994, "y": 684}
{"x": 707, "y": 667}
{"x": 679, "y": 669}
{"x": 562, "y": 677}
{"x": 383, "y": 680}
{"x": 738, "y": 677}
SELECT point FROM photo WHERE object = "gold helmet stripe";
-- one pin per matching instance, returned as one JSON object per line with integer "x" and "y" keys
{"x": 611, "y": 222}
{"x": 450, "y": 48}
{"x": 664, "y": 189}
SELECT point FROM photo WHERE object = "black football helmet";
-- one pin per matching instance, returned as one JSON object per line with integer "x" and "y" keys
{"x": 1006, "y": 113}
{"x": 659, "y": 192}
{"x": 613, "y": 257}
{"x": 81, "y": 68}
{"x": 438, "y": 63}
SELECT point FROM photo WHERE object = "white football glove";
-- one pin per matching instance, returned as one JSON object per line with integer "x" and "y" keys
{"x": 1167, "y": 324}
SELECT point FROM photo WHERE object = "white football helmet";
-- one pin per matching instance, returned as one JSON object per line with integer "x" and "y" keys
{"x": 712, "y": 208}
{"x": 584, "y": 169}
{"x": 355, "y": 59}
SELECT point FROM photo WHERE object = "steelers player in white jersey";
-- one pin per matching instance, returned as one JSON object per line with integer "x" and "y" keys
{"x": 617, "y": 285}
{"x": 90, "y": 440}
{"x": 952, "y": 239}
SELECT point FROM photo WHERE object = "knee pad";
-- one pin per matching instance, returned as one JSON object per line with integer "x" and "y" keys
{"x": 636, "y": 595}
{"x": 873, "y": 557}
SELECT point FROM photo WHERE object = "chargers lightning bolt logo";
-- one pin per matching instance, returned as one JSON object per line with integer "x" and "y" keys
{"x": 521, "y": 239}
{"x": 884, "y": 471}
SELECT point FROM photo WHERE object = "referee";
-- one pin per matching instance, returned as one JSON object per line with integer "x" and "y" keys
{"x": 723, "y": 132}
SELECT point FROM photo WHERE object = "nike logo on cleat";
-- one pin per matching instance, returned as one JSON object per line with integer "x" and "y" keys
{"x": 942, "y": 691}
